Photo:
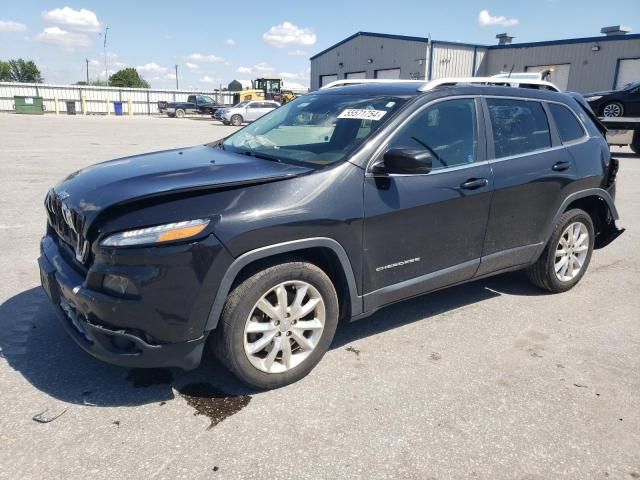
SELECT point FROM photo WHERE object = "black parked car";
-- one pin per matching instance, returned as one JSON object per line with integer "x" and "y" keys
{"x": 331, "y": 207}
{"x": 616, "y": 103}
{"x": 200, "y": 104}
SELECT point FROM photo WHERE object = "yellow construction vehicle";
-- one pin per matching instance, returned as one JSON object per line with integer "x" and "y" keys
{"x": 267, "y": 89}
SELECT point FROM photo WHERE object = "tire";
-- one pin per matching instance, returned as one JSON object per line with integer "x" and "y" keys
{"x": 236, "y": 120}
{"x": 613, "y": 109}
{"x": 543, "y": 273}
{"x": 180, "y": 113}
{"x": 232, "y": 343}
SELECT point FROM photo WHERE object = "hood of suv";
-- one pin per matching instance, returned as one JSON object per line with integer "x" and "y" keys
{"x": 89, "y": 191}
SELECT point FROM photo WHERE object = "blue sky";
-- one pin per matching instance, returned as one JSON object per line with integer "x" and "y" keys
{"x": 215, "y": 42}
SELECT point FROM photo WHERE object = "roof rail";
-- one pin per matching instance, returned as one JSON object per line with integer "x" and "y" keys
{"x": 512, "y": 82}
{"x": 430, "y": 85}
{"x": 358, "y": 81}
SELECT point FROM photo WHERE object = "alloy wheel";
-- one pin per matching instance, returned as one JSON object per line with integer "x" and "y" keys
{"x": 571, "y": 251}
{"x": 284, "y": 327}
{"x": 612, "y": 110}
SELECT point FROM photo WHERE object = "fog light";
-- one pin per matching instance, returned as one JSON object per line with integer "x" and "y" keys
{"x": 118, "y": 285}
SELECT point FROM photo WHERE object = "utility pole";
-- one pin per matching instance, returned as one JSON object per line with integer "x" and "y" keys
{"x": 87, "y": 60}
{"x": 177, "y": 77}
{"x": 106, "y": 71}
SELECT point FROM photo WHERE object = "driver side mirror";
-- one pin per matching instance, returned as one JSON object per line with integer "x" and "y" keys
{"x": 405, "y": 161}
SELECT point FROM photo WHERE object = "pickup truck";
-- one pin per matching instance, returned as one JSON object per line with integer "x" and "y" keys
{"x": 200, "y": 104}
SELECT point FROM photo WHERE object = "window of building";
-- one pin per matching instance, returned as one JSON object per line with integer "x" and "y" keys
{"x": 327, "y": 79}
{"x": 519, "y": 126}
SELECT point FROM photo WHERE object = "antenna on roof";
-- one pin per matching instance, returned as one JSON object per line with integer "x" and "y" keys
{"x": 511, "y": 71}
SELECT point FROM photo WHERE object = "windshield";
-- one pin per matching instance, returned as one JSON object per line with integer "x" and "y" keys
{"x": 631, "y": 85}
{"x": 317, "y": 129}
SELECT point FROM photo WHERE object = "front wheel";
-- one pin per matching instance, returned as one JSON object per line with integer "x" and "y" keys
{"x": 613, "y": 109}
{"x": 566, "y": 257}
{"x": 236, "y": 120}
{"x": 277, "y": 324}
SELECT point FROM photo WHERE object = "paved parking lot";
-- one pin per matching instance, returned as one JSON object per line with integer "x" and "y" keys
{"x": 488, "y": 380}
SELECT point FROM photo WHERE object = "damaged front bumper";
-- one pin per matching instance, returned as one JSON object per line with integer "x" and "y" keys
{"x": 161, "y": 327}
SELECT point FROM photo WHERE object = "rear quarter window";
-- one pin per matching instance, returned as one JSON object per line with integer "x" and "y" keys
{"x": 569, "y": 127}
{"x": 519, "y": 126}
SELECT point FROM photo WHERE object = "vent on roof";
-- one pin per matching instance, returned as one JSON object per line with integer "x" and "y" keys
{"x": 615, "y": 30}
{"x": 504, "y": 38}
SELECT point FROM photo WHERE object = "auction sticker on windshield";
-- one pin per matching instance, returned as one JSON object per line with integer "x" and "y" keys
{"x": 361, "y": 114}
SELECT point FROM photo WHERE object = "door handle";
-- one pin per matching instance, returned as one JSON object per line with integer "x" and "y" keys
{"x": 561, "y": 166}
{"x": 474, "y": 183}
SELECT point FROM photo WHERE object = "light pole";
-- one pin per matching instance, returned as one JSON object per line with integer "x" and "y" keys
{"x": 87, "y": 60}
{"x": 177, "y": 77}
{"x": 104, "y": 45}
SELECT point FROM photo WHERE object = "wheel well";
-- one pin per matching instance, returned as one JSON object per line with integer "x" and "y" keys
{"x": 322, "y": 257}
{"x": 599, "y": 212}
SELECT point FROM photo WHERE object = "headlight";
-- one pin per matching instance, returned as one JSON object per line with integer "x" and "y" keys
{"x": 158, "y": 234}
{"x": 593, "y": 98}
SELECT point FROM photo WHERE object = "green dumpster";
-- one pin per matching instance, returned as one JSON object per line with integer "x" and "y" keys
{"x": 30, "y": 105}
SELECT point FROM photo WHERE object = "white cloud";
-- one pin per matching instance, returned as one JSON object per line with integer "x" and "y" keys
{"x": 83, "y": 19}
{"x": 166, "y": 36}
{"x": 289, "y": 35}
{"x": 230, "y": 41}
{"x": 152, "y": 68}
{"x": 119, "y": 64}
{"x": 208, "y": 79}
{"x": 487, "y": 20}
{"x": 94, "y": 63}
{"x": 192, "y": 66}
{"x": 11, "y": 26}
{"x": 289, "y": 75}
{"x": 263, "y": 67}
{"x": 257, "y": 69}
{"x": 297, "y": 53}
{"x": 62, "y": 38}
{"x": 295, "y": 86}
{"x": 198, "y": 57}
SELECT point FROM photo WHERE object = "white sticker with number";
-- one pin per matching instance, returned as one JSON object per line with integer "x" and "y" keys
{"x": 361, "y": 114}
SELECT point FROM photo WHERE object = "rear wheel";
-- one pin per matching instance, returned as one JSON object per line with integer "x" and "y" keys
{"x": 180, "y": 113}
{"x": 613, "y": 109}
{"x": 236, "y": 120}
{"x": 277, "y": 324}
{"x": 566, "y": 257}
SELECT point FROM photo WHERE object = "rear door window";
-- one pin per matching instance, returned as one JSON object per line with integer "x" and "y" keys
{"x": 519, "y": 126}
{"x": 569, "y": 127}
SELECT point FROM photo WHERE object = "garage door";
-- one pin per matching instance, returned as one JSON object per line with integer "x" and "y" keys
{"x": 628, "y": 71}
{"x": 357, "y": 75}
{"x": 325, "y": 79}
{"x": 559, "y": 73}
{"x": 393, "y": 73}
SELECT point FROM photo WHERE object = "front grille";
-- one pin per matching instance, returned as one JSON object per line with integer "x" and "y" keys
{"x": 67, "y": 225}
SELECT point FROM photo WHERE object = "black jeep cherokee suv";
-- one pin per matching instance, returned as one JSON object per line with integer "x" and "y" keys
{"x": 331, "y": 207}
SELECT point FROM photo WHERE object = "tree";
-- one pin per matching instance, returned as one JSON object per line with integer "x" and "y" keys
{"x": 20, "y": 71}
{"x": 128, "y": 77}
{"x": 5, "y": 71}
{"x": 92, "y": 83}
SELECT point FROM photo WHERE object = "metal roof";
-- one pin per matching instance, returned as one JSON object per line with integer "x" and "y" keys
{"x": 477, "y": 45}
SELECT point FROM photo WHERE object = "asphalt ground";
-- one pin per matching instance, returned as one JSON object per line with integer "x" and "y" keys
{"x": 492, "y": 379}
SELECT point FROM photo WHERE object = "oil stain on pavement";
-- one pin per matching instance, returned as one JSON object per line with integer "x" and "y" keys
{"x": 204, "y": 398}
{"x": 211, "y": 402}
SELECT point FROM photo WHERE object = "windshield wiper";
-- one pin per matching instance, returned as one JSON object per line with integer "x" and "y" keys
{"x": 253, "y": 153}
